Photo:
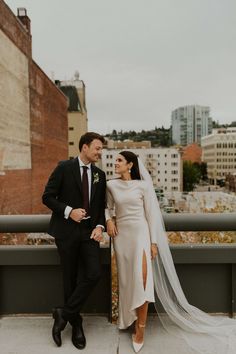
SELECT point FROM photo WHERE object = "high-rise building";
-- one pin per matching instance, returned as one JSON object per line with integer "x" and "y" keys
{"x": 190, "y": 124}
{"x": 77, "y": 112}
{"x": 219, "y": 152}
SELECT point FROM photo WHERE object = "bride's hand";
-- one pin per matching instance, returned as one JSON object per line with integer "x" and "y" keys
{"x": 111, "y": 228}
{"x": 154, "y": 250}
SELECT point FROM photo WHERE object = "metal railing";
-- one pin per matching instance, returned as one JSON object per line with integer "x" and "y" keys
{"x": 173, "y": 222}
{"x": 31, "y": 276}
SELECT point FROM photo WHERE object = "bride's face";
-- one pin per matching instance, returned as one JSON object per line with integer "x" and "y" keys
{"x": 121, "y": 165}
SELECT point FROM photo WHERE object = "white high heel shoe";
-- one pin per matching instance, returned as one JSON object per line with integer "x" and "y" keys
{"x": 137, "y": 346}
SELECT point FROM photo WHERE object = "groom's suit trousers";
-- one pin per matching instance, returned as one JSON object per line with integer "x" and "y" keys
{"x": 81, "y": 267}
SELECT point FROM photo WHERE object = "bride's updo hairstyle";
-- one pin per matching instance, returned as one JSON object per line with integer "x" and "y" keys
{"x": 131, "y": 157}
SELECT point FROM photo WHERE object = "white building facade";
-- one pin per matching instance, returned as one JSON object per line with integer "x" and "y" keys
{"x": 219, "y": 152}
{"x": 190, "y": 124}
{"x": 163, "y": 164}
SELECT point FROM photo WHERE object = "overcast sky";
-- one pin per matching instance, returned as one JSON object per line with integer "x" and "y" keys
{"x": 139, "y": 59}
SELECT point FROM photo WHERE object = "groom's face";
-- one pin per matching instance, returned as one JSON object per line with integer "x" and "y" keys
{"x": 93, "y": 151}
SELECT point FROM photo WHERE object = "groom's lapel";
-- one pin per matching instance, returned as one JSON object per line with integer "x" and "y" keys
{"x": 93, "y": 185}
{"x": 76, "y": 173}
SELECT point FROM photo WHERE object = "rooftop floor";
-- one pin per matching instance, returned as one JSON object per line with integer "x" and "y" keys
{"x": 32, "y": 335}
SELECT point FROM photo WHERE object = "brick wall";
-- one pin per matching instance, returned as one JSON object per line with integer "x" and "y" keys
{"x": 14, "y": 29}
{"x": 21, "y": 190}
{"x": 49, "y": 131}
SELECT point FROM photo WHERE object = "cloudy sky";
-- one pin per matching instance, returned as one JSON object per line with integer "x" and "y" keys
{"x": 139, "y": 59}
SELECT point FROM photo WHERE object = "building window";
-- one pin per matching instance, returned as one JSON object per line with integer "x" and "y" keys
{"x": 71, "y": 128}
{"x": 71, "y": 143}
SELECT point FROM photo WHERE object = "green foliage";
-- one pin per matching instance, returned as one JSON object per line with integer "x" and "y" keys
{"x": 203, "y": 170}
{"x": 157, "y": 136}
{"x": 191, "y": 175}
{"x": 218, "y": 125}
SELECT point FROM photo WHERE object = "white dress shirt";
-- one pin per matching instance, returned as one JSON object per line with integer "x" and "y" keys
{"x": 81, "y": 164}
{"x": 68, "y": 209}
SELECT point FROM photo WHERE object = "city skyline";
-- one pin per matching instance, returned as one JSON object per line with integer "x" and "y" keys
{"x": 139, "y": 61}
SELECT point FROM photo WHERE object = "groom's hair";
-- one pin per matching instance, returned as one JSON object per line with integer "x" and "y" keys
{"x": 131, "y": 157}
{"x": 88, "y": 137}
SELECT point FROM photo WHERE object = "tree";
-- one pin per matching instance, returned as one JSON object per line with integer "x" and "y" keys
{"x": 191, "y": 176}
{"x": 203, "y": 168}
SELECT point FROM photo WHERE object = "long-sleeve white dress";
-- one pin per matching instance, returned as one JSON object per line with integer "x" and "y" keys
{"x": 130, "y": 203}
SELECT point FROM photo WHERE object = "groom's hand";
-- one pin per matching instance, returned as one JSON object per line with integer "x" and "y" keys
{"x": 77, "y": 214}
{"x": 97, "y": 234}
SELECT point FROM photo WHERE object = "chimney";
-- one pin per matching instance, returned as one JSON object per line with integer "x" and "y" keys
{"x": 22, "y": 15}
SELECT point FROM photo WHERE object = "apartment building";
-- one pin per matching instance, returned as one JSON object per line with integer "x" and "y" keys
{"x": 219, "y": 152}
{"x": 163, "y": 164}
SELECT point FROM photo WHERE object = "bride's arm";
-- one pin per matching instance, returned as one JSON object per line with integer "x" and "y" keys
{"x": 110, "y": 215}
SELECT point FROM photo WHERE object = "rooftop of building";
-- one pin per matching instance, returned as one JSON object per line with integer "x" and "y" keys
{"x": 74, "y": 104}
{"x": 27, "y": 335}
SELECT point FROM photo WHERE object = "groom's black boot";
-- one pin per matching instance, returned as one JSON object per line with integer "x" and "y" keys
{"x": 59, "y": 325}
{"x": 78, "y": 337}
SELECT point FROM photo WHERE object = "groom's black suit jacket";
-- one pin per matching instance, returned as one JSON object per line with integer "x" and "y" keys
{"x": 64, "y": 188}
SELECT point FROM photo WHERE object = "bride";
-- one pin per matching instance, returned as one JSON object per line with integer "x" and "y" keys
{"x": 146, "y": 268}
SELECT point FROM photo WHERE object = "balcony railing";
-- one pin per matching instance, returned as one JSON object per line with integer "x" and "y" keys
{"x": 31, "y": 281}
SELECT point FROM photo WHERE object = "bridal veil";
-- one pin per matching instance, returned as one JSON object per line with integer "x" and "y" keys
{"x": 204, "y": 333}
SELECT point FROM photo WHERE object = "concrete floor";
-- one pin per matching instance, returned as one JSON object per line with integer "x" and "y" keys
{"x": 32, "y": 335}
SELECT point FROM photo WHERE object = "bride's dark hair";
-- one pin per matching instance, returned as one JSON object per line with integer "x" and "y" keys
{"x": 131, "y": 157}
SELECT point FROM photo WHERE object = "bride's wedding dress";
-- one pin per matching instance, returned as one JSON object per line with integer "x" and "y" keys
{"x": 131, "y": 210}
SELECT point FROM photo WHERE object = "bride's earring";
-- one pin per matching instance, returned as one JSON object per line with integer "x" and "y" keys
{"x": 129, "y": 170}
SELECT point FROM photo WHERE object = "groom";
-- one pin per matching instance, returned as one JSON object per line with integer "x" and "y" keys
{"x": 75, "y": 193}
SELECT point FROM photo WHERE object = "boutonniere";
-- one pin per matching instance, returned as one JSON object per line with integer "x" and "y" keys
{"x": 95, "y": 178}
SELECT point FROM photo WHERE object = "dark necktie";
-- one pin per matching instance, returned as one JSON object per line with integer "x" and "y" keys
{"x": 85, "y": 186}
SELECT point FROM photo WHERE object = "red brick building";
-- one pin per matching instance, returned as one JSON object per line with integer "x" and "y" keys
{"x": 192, "y": 152}
{"x": 33, "y": 120}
